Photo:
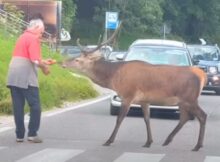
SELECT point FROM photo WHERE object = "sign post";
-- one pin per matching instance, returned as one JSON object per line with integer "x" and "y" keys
{"x": 111, "y": 22}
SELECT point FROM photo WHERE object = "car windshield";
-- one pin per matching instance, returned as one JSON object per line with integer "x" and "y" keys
{"x": 206, "y": 53}
{"x": 159, "y": 55}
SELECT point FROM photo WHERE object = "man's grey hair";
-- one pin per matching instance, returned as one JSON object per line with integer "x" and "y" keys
{"x": 35, "y": 23}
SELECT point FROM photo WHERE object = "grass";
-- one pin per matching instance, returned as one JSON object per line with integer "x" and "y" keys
{"x": 55, "y": 89}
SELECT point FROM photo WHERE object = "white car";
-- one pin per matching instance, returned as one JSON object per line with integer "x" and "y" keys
{"x": 106, "y": 50}
{"x": 154, "y": 51}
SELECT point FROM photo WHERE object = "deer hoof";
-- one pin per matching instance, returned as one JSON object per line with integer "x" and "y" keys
{"x": 196, "y": 148}
{"x": 147, "y": 144}
{"x": 166, "y": 143}
{"x": 107, "y": 143}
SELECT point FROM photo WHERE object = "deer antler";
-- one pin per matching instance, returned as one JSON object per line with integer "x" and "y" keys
{"x": 79, "y": 45}
{"x": 100, "y": 44}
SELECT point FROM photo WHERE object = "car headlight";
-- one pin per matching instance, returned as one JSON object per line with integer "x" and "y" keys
{"x": 213, "y": 70}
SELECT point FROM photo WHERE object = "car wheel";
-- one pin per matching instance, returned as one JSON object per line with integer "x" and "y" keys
{"x": 114, "y": 110}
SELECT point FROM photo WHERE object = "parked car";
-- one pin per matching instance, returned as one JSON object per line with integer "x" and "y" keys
{"x": 207, "y": 57}
{"x": 115, "y": 55}
{"x": 106, "y": 50}
{"x": 154, "y": 51}
{"x": 69, "y": 51}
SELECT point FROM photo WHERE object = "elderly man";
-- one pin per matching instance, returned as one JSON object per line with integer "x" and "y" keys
{"x": 23, "y": 80}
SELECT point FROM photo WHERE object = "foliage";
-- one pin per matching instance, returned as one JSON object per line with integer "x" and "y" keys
{"x": 186, "y": 20}
{"x": 12, "y": 9}
{"x": 68, "y": 14}
{"x": 137, "y": 16}
{"x": 192, "y": 19}
{"x": 8, "y": 21}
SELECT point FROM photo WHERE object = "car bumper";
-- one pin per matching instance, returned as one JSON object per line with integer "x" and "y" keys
{"x": 115, "y": 102}
{"x": 213, "y": 83}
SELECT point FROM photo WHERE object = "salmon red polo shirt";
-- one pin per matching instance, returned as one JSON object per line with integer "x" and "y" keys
{"x": 28, "y": 46}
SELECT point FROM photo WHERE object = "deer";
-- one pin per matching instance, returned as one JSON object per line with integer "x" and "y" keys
{"x": 157, "y": 84}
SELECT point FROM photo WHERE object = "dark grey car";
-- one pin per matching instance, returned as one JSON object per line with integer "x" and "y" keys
{"x": 69, "y": 51}
{"x": 207, "y": 57}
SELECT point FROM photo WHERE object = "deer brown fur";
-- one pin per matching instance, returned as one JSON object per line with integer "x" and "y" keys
{"x": 138, "y": 82}
{"x": 142, "y": 83}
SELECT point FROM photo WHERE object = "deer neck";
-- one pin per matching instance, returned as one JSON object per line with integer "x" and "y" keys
{"x": 101, "y": 73}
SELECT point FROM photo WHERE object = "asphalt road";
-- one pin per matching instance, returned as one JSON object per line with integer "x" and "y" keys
{"x": 76, "y": 134}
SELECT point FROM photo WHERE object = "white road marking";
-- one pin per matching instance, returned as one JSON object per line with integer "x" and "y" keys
{"x": 50, "y": 154}
{"x": 3, "y": 129}
{"x": 212, "y": 159}
{"x": 139, "y": 157}
{"x": 77, "y": 106}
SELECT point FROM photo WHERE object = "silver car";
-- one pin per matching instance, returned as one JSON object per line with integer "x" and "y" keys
{"x": 154, "y": 51}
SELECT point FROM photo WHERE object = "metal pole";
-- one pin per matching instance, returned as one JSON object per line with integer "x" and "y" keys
{"x": 109, "y": 4}
{"x": 28, "y": 16}
{"x": 164, "y": 31}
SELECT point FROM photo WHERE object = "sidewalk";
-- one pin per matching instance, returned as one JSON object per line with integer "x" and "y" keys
{"x": 6, "y": 120}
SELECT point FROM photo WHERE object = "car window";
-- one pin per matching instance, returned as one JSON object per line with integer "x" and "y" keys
{"x": 206, "y": 53}
{"x": 159, "y": 55}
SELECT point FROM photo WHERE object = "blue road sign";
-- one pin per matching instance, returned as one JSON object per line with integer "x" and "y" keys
{"x": 111, "y": 20}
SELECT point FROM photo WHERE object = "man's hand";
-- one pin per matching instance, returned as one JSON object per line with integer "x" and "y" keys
{"x": 43, "y": 66}
{"x": 49, "y": 61}
{"x": 45, "y": 69}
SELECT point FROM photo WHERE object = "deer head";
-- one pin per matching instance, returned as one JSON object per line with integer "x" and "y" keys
{"x": 83, "y": 62}
{"x": 87, "y": 57}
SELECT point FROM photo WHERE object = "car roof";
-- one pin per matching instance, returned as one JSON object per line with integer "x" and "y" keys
{"x": 200, "y": 45}
{"x": 164, "y": 42}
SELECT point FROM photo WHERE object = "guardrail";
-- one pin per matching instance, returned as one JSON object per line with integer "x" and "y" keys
{"x": 16, "y": 26}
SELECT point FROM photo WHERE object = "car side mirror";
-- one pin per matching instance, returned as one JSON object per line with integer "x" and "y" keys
{"x": 120, "y": 56}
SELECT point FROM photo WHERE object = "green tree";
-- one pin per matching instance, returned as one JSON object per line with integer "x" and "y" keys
{"x": 192, "y": 19}
{"x": 140, "y": 16}
{"x": 68, "y": 14}
{"x": 12, "y": 9}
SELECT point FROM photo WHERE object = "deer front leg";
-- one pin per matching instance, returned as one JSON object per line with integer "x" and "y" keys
{"x": 146, "y": 114}
{"x": 123, "y": 112}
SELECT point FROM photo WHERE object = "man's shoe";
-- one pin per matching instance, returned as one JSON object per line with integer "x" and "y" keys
{"x": 19, "y": 140}
{"x": 35, "y": 139}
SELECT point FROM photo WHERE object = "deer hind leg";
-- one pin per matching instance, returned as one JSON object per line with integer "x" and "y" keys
{"x": 184, "y": 117}
{"x": 124, "y": 111}
{"x": 201, "y": 116}
{"x": 146, "y": 114}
